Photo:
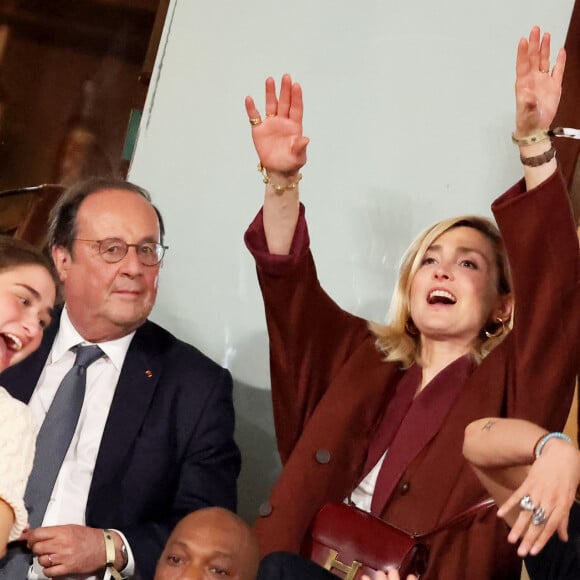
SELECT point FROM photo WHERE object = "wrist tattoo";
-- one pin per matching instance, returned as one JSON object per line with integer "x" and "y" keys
{"x": 488, "y": 425}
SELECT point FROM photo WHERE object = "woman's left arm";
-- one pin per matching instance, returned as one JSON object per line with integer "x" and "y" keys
{"x": 539, "y": 233}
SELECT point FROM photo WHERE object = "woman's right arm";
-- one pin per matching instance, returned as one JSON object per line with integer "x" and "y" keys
{"x": 310, "y": 335}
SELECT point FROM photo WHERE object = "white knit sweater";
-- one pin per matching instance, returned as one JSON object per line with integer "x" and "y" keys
{"x": 17, "y": 443}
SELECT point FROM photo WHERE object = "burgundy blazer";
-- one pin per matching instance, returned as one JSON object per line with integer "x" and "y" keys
{"x": 330, "y": 388}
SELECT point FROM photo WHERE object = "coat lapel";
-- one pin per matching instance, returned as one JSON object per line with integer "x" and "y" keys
{"x": 137, "y": 384}
{"x": 420, "y": 425}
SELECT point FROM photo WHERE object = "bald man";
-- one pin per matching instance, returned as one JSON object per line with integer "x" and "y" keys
{"x": 207, "y": 543}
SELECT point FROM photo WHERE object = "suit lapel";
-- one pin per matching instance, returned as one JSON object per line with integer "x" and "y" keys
{"x": 137, "y": 384}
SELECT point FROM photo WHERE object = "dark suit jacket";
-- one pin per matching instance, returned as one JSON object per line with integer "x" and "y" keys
{"x": 559, "y": 560}
{"x": 331, "y": 386}
{"x": 167, "y": 448}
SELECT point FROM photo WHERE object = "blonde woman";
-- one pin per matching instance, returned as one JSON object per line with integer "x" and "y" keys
{"x": 375, "y": 414}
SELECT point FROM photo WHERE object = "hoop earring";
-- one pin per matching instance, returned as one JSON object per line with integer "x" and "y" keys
{"x": 498, "y": 331}
{"x": 410, "y": 328}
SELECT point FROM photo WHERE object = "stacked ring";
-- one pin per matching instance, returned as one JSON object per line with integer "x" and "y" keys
{"x": 539, "y": 516}
{"x": 527, "y": 504}
{"x": 255, "y": 121}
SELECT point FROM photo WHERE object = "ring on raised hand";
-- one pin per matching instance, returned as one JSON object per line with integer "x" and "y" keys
{"x": 544, "y": 71}
{"x": 270, "y": 114}
{"x": 255, "y": 121}
{"x": 527, "y": 504}
{"x": 539, "y": 516}
{"x": 49, "y": 559}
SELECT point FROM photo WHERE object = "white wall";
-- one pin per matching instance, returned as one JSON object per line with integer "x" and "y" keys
{"x": 409, "y": 106}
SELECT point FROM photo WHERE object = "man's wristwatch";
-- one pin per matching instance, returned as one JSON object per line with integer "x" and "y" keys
{"x": 111, "y": 554}
{"x": 124, "y": 555}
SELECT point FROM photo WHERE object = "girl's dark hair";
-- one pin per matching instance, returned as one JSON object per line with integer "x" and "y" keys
{"x": 14, "y": 253}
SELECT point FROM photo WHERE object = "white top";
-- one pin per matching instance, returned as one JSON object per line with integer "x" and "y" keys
{"x": 68, "y": 501}
{"x": 362, "y": 495}
{"x": 17, "y": 442}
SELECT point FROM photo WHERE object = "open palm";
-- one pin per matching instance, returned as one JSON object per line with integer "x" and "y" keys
{"x": 537, "y": 91}
{"x": 278, "y": 138}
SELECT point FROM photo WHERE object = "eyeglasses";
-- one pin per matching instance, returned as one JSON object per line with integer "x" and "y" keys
{"x": 113, "y": 250}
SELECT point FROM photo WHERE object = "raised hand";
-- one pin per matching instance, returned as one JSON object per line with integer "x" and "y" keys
{"x": 278, "y": 138}
{"x": 538, "y": 90}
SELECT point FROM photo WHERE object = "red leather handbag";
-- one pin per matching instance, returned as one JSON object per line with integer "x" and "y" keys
{"x": 351, "y": 542}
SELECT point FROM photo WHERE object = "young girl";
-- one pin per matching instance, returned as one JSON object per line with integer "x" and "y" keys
{"x": 28, "y": 286}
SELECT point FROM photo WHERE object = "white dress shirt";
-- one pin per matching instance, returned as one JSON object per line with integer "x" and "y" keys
{"x": 68, "y": 501}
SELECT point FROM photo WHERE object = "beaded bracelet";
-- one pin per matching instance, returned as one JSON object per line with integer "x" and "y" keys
{"x": 544, "y": 134}
{"x": 543, "y": 440}
{"x": 532, "y": 139}
{"x": 277, "y": 187}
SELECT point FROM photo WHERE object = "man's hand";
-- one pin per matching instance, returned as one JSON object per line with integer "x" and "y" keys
{"x": 70, "y": 549}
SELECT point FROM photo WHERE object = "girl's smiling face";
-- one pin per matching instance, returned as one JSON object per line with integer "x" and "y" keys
{"x": 27, "y": 296}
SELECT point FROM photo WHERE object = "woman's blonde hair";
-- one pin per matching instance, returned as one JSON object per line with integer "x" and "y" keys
{"x": 399, "y": 340}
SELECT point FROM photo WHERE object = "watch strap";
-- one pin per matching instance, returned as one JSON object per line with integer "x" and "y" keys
{"x": 111, "y": 554}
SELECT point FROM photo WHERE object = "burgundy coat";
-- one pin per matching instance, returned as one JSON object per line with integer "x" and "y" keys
{"x": 330, "y": 388}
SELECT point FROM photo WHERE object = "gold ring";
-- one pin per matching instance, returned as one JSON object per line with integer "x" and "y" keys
{"x": 255, "y": 121}
{"x": 270, "y": 114}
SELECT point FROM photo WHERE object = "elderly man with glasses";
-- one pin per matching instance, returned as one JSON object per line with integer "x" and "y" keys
{"x": 152, "y": 438}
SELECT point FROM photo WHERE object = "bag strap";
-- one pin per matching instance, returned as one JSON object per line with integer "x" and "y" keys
{"x": 457, "y": 519}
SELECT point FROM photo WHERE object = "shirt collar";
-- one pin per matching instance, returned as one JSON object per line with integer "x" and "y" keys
{"x": 68, "y": 336}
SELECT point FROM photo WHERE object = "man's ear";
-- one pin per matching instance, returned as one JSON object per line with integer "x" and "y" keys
{"x": 62, "y": 261}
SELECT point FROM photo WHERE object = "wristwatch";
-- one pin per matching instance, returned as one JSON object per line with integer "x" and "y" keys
{"x": 111, "y": 554}
{"x": 124, "y": 554}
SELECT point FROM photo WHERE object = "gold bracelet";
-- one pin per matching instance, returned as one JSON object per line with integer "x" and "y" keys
{"x": 277, "y": 188}
{"x": 532, "y": 139}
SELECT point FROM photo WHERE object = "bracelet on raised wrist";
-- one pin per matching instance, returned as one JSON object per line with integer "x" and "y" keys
{"x": 278, "y": 188}
{"x": 540, "y": 159}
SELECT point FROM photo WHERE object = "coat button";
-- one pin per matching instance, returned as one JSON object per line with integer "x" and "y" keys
{"x": 323, "y": 456}
{"x": 265, "y": 509}
{"x": 404, "y": 487}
